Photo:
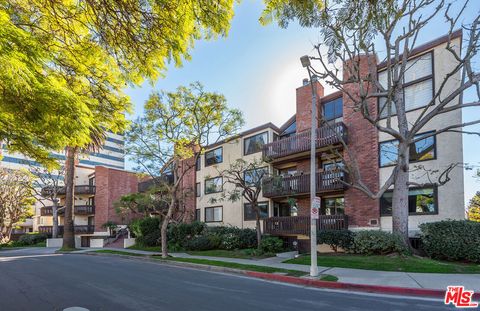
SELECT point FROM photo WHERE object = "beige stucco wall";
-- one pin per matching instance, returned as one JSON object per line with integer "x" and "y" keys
{"x": 232, "y": 211}
{"x": 448, "y": 150}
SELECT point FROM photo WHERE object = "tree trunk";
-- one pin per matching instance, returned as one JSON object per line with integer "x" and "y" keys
{"x": 257, "y": 224}
{"x": 55, "y": 219}
{"x": 68, "y": 233}
{"x": 400, "y": 195}
{"x": 259, "y": 231}
{"x": 164, "y": 227}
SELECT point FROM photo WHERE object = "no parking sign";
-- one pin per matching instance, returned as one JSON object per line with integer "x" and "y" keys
{"x": 315, "y": 210}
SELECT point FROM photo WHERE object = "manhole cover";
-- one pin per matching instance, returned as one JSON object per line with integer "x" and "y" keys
{"x": 75, "y": 309}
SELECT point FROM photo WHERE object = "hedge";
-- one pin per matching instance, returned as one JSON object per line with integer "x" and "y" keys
{"x": 452, "y": 240}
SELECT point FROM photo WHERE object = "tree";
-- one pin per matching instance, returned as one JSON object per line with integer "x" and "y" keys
{"x": 47, "y": 187}
{"x": 354, "y": 31}
{"x": 16, "y": 199}
{"x": 167, "y": 141}
{"x": 246, "y": 179}
{"x": 153, "y": 202}
{"x": 474, "y": 208}
{"x": 97, "y": 138}
{"x": 61, "y": 61}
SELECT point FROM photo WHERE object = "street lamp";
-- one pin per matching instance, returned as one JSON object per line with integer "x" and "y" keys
{"x": 313, "y": 209}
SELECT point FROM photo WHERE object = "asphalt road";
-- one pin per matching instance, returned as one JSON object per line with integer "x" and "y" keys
{"x": 38, "y": 280}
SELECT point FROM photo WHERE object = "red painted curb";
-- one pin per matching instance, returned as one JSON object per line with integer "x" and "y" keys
{"x": 349, "y": 286}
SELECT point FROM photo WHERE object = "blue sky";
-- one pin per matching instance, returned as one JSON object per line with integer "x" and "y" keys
{"x": 257, "y": 68}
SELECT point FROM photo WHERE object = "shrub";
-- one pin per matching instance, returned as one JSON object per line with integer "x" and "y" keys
{"x": 144, "y": 226}
{"x": 199, "y": 243}
{"x": 452, "y": 240}
{"x": 336, "y": 239}
{"x": 271, "y": 244}
{"x": 248, "y": 238}
{"x": 179, "y": 234}
{"x": 373, "y": 242}
{"x": 151, "y": 239}
{"x": 215, "y": 240}
{"x": 230, "y": 241}
{"x": 31, "y": 239}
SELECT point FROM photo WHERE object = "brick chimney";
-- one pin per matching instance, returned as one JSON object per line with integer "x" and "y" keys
{"x": 304, "y": 104}
{"x": 363, "y": 142}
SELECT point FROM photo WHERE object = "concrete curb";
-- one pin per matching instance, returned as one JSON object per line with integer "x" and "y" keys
{"x": 380, "y": 289}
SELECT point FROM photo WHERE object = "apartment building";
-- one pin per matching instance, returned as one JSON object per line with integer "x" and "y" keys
{"x": 285, "y": 199}
{"x": 96, "y": 191}
{"x": 100, "y": 180}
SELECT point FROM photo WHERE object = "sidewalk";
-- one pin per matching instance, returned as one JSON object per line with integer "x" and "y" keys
{"x": 368, "y": 277}
{"x": 354, "y": 276}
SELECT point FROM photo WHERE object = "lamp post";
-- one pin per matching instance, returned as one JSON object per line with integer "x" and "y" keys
{"x": 313, "y": 221}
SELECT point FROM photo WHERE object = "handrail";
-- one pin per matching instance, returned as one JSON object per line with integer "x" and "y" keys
{"x": 325, "y": 136}
{"x": 277, "y": 186}
{"x": 300, "y": 225}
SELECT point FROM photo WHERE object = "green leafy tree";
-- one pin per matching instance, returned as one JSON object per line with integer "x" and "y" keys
{"x": 352, "y": 32}
{"x": 176, "y": 129}
{"x": 64, "y": 64}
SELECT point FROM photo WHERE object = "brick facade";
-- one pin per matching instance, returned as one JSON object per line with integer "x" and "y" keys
{"x": 188, "y": 190}
{"x": 111, "y": 185}
{"x": 363, "y": 143}
{"x": 304, "y": 105}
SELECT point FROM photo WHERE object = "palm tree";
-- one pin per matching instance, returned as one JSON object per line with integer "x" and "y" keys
{"x": 97, "y": 138}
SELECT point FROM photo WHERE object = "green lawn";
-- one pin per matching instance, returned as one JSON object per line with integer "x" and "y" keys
{"x": 235, "y": 266}
{"x": 109, "y": 251}
{"x": 388, "y": 263}
{"x": 248, "y": 253}
{"x": 328, "y": 277}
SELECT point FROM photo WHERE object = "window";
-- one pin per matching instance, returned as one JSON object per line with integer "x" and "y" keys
{"x": 198, "y": 190}
{"x": 333, "y": 109}
{"x": 255, "y": 143}
{"x": 198, "y": 163}
{"x": 418, "y": 84}
{"x": 253, "y": 176}
{"x": 420, "y": 201}
{"x": 213, "y": 185}
{"x": 422, "y": 150}
{"x": 198, "y": 213}
{"x": 213, "y": 214}
{"x": 249, "y": 211}
{"x": 289, "y": 131}
{"x": 333, "y": 206}
{"x": 214, "y": 156}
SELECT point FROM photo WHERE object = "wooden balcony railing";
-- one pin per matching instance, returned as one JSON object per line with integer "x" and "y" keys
{"x": 78, "y": 229}
{"x": 78, "y": 210}
{"x": 80, "y": 189}
{"x": 278, "y": 186}
{"x": 325, "y": 136}
{"x": 300, "y": 225}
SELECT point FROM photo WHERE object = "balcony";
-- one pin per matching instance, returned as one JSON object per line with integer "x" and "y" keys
{"x": 80, "y": 189}
{"x": 78, "y": 210}
{"x": 83, "y": 229}
{"x": 280, "y": 186}
{"x": 300, "y": 225}
{"x": 325, "y": 136}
